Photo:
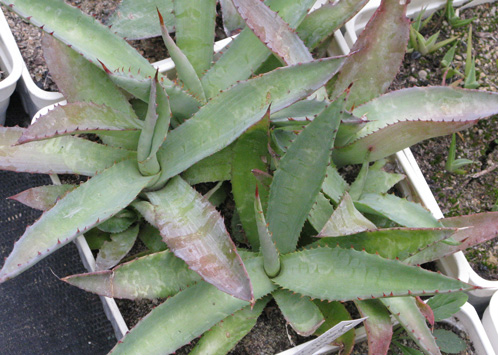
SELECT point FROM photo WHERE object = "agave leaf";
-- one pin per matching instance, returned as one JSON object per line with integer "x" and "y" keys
{"x": 119, "y": 222}
{"x": 195, "y": 232}
{"x": 151, "y": 237}
{"x": 113, "y": 251}
{"x": 405, "y": 310}
{"x": 190, "y": 313}
{"x": 146, "y": 209}
{"x": 334, "y": 184}
{"x": 195, "y": 24}
{"x": 405, "y": 213}
{"x": 120, "y": 139}
{"x": 356, "y": 188}
{"x": 96, "y": 238}
{"x": 62, "y": 155}
{"x": 426, "y": 311}
{"x": 381, "y": 48}
{"x": 184, "y": 69}
{"x": 200, "y": 136}
{"x": 79, "y": 117}
{"x": 43, "y": 197}
{"x": 320, "y": 212}
{"x": 300, "y": 111}
{"x": 300, "y": 312}
{"x": 81, "y": 209}
{"x": 312, "y": 272}
{"x": 250, "y": 152}
{"x": 350, "y": 126}
{"x": 346, "y": 220}
{"x": 79, "y": 80}
{"x": 221, "y": 338}
{"x": 216, "y": 167}
{"x": 474, "y": 229}
{"x": 232, "y": 22}
{"x": 248, "y": 51}
{"x": 379, "y": 181}
{"x": 334, "y": 313}
{"x": 390, "y": 243}
{"x": 411, "y": 115}
{"x": 273, "y": 31}
{"x": 323, "y": 22}
{"x": 132, "y": 19}
{"x": 378, "y": 326}
{"x": 153, "y": 276}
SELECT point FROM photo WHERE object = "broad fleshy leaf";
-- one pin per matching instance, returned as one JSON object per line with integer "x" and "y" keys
{"x": 216, "y": 167}
{"x": 81, "y": 209}
{"x": 445, "y": 305}
{"x": 300, "y": 312}
{"x": 79, "y": 117}
{"x": 119, "y": 222}
{"x": 299, "y": 177}
{"x": 335, "y": 312}
{"x": 190, "y": 313}
{"x": 153, "y": 276}
{"x": 221, "y": 338}
{"x": 273, "y": 31}
{"x": 311, "y": 272}
{"x": 346, "y": 220}
{"x": 43, "y": 197}
{"x": 378, "y": 325}
{"x": 62, "y": 155}
{"x": 113, "y": 251}
{"x": 79, "y": 80}
{"x": 381, "y": 48}
{"x": 200, "y": 136}
{"x": 405, "y": 310}
{"x": 474, "y": 229}
{"x": 408, "y": 116}
{"x": 151, "y": 237}
{"x": 195, "y": 232}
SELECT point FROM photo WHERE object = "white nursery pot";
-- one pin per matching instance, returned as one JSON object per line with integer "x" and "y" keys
{"x": 10, "y": 64}
{"x": 490, "y": 321}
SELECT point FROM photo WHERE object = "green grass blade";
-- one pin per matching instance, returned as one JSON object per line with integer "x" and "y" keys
{"x": 83, "y": 208}
{"x": 200, "y": 136}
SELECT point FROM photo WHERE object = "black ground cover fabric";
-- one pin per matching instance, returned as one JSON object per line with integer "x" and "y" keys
{"x": 39, "y": 314}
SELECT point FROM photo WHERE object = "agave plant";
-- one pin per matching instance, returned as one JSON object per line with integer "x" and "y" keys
{"x": 278, "y": 138}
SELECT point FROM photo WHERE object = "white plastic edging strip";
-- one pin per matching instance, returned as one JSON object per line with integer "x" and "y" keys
{"x": 490, "y": 321}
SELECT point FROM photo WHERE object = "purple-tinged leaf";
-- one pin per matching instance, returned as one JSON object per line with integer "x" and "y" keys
{"x": 111, "y": 253}
{"x": 42, "y": 197}
{"x": 61, "y": 155}
{"x": 195, "y": 232}
{"x": 91, "y": 203}
{"x": 474, "y": 229}
{"x": 408, "y": 116}
{"x": 274, "y": 32}
{"x": 406, "y": 311}
{"x": 378, "y": 325}
{"x": 381, "y": 48}
{"x": 79, "y": 117}
{"x": 426, "y": 311}
{"x": 80, "y": 80}
{"x": 346, "y": 220}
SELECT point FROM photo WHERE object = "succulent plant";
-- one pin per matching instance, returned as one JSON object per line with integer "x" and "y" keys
{"x": 278, "y": 137}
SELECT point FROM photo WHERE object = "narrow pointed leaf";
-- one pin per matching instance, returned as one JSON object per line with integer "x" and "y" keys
{"x": 216, "y": 167}
{"x": 43, "y": 197}
{"x": 379, "y": 181}
{"x": 381, "y": 48}
{"x": 195, "y": 24}
{"x": 185, "y": 71}
{"x": 311, "y": 272}
{"x": 248, "y": 51}
{"x": 300, "y": 312}
{"x": 200, "y": 136}
{"x": 475, "y": 229}
{"x": 151, "y": 237}
{"x": 391, "y": 243}
{"x": 190, "y": 313}
{"x": 297, "y": 181}
{"x": 426, "y": 311}
{"x": 334, "y": 184}
{"x": 378, "y": 326}
{"x": 132, "y": 19}
{"x": 79, "y": 80}
{"x": 250, "y": 152}
{"x": 226, "y": 334}
{"x": 346, "y": 220}
{"x": 356, "y": 188}
{"x": 411, "y": 115}
{"x": 153, "y": 276}
{"x": 195, "y": 232}
{"x": 405, "y": 213}
{"x": 232, "y": 22}
{"x": 334, "y": 313}
{"x": 113, "y": 251}
{"x": 273, "y": 31}
{"x": 320, "y": 212}
{"x": 88, "y": 205}
{"x": 62, "y": 155}
{"x": 323, "y": 22}
{"x": 119, "y": 222}
{"x": 405, "y": 310}
{"x": 300, "y": 111}
{"x": 79, "y": 117}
